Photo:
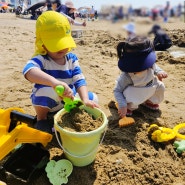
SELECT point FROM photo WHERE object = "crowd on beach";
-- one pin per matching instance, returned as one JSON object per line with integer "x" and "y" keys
{"x": 110, "y": 12}
{"x": 116, "y": 13}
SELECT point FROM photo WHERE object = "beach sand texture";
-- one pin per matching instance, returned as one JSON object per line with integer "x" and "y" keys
{"x": 127, "y": 155}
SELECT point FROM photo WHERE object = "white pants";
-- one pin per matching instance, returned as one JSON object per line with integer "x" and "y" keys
{"x": 138, "y": 95}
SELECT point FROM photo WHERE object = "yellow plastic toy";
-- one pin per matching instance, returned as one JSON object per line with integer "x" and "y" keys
{"x": 177, "y": 128}
{"x": 162, "y": 134}
{"x": 14, "y": 131}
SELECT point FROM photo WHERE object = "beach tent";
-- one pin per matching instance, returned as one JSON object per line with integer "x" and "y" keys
{"x": 84, "y": 10}
{"x": 107, "y": 9}
{"x": 36, "y": 6}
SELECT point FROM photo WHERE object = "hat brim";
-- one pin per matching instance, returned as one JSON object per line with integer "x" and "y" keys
{"x": 55, "y": 45}
{"x": 136, "y": 62}
{"x": 128, "y": 29}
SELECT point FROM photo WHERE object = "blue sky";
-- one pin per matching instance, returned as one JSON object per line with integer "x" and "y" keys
{"x": 135, "y": 3}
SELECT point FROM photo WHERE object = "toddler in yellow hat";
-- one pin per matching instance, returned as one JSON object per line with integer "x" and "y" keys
{"x": 53, "y": 64}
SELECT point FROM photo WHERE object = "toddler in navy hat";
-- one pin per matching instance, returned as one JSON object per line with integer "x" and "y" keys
{"x": 140, "y": 81}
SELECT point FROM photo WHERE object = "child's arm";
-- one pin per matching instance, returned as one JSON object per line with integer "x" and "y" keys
{"x": 72, "y": 21}
{"x": 35, "y": 75}
{"x": 122, "y": 82}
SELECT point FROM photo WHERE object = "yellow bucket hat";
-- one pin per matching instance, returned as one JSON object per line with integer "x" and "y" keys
{"x": 54, "y": 32}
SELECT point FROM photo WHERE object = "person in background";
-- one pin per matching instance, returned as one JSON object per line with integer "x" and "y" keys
{"x": 166, "y": 12}
{"x": 48, "y": 4}
{"x": 130, "y": 29}
{"x": 130, "y": 13}
{"x": 70, "y": 9}
{"x": 179, "y": 10}
{"x": 96, "y": 14}
{"x": 67, "y": 10}
{"x": 121, "y": 12}
{"x": 53, "y": 64}
{"x": 154, "y": 14}
{"x": 92, "y": 11}
{"x": 56, "y": 4}
{"x": 140, "y": 80}
{"x": 112, "y": 14}
{"x": 161, "y": 40}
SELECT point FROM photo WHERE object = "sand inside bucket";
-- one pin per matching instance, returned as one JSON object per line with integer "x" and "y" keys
{"x": 78, "y": 120}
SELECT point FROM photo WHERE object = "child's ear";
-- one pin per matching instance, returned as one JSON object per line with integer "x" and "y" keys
{"x": 44, "y": 47}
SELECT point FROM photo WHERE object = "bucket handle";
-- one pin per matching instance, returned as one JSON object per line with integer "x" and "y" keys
{"x": 65, "y": 151}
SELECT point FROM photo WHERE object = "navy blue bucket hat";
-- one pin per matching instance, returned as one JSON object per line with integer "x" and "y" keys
{"x": 137, "y": 61}
{"x": 136, "y": 55}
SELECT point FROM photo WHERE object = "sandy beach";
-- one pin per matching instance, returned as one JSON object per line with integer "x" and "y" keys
{"x": 141, "y": 160}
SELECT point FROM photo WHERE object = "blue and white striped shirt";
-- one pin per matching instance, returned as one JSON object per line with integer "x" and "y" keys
{"x": 69, "y": 73}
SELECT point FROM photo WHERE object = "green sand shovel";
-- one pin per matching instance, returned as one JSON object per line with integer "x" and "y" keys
{"x": 69, "y": 103}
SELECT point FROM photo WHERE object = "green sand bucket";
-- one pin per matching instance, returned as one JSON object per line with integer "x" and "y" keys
{"x": 81, "y": 147}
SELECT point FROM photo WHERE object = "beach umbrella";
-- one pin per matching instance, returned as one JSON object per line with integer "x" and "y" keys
{"x": 4, "y": 5}
{"x": 84, "y": 8}
{"x": 84, "y": 11}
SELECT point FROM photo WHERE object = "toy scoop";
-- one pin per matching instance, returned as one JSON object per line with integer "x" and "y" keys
{"x": 69, "y": 103}
{"x": 180, "y": 146}
{"x": 162, "y": 134}
{"x": 125, "y": 121}
{"x": 58, "y": 172}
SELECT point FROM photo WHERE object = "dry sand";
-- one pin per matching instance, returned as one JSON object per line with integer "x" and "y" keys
{"x": 127, "y": 155}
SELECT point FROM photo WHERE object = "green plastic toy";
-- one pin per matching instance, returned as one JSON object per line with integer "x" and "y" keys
{"x": 69, "y": 103}
{"x": 58, "y": 172}
{"x": 180, "y": 145}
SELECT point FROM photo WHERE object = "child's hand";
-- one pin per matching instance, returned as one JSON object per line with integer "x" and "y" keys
{"x": 162, "y": 75}
{"x": 122, "y": 111}
{"x": 67, "y": 90}
{"x": 71, "y": 21}
{"x": 84, "y": 23}
{"x": 91, "y": 103}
